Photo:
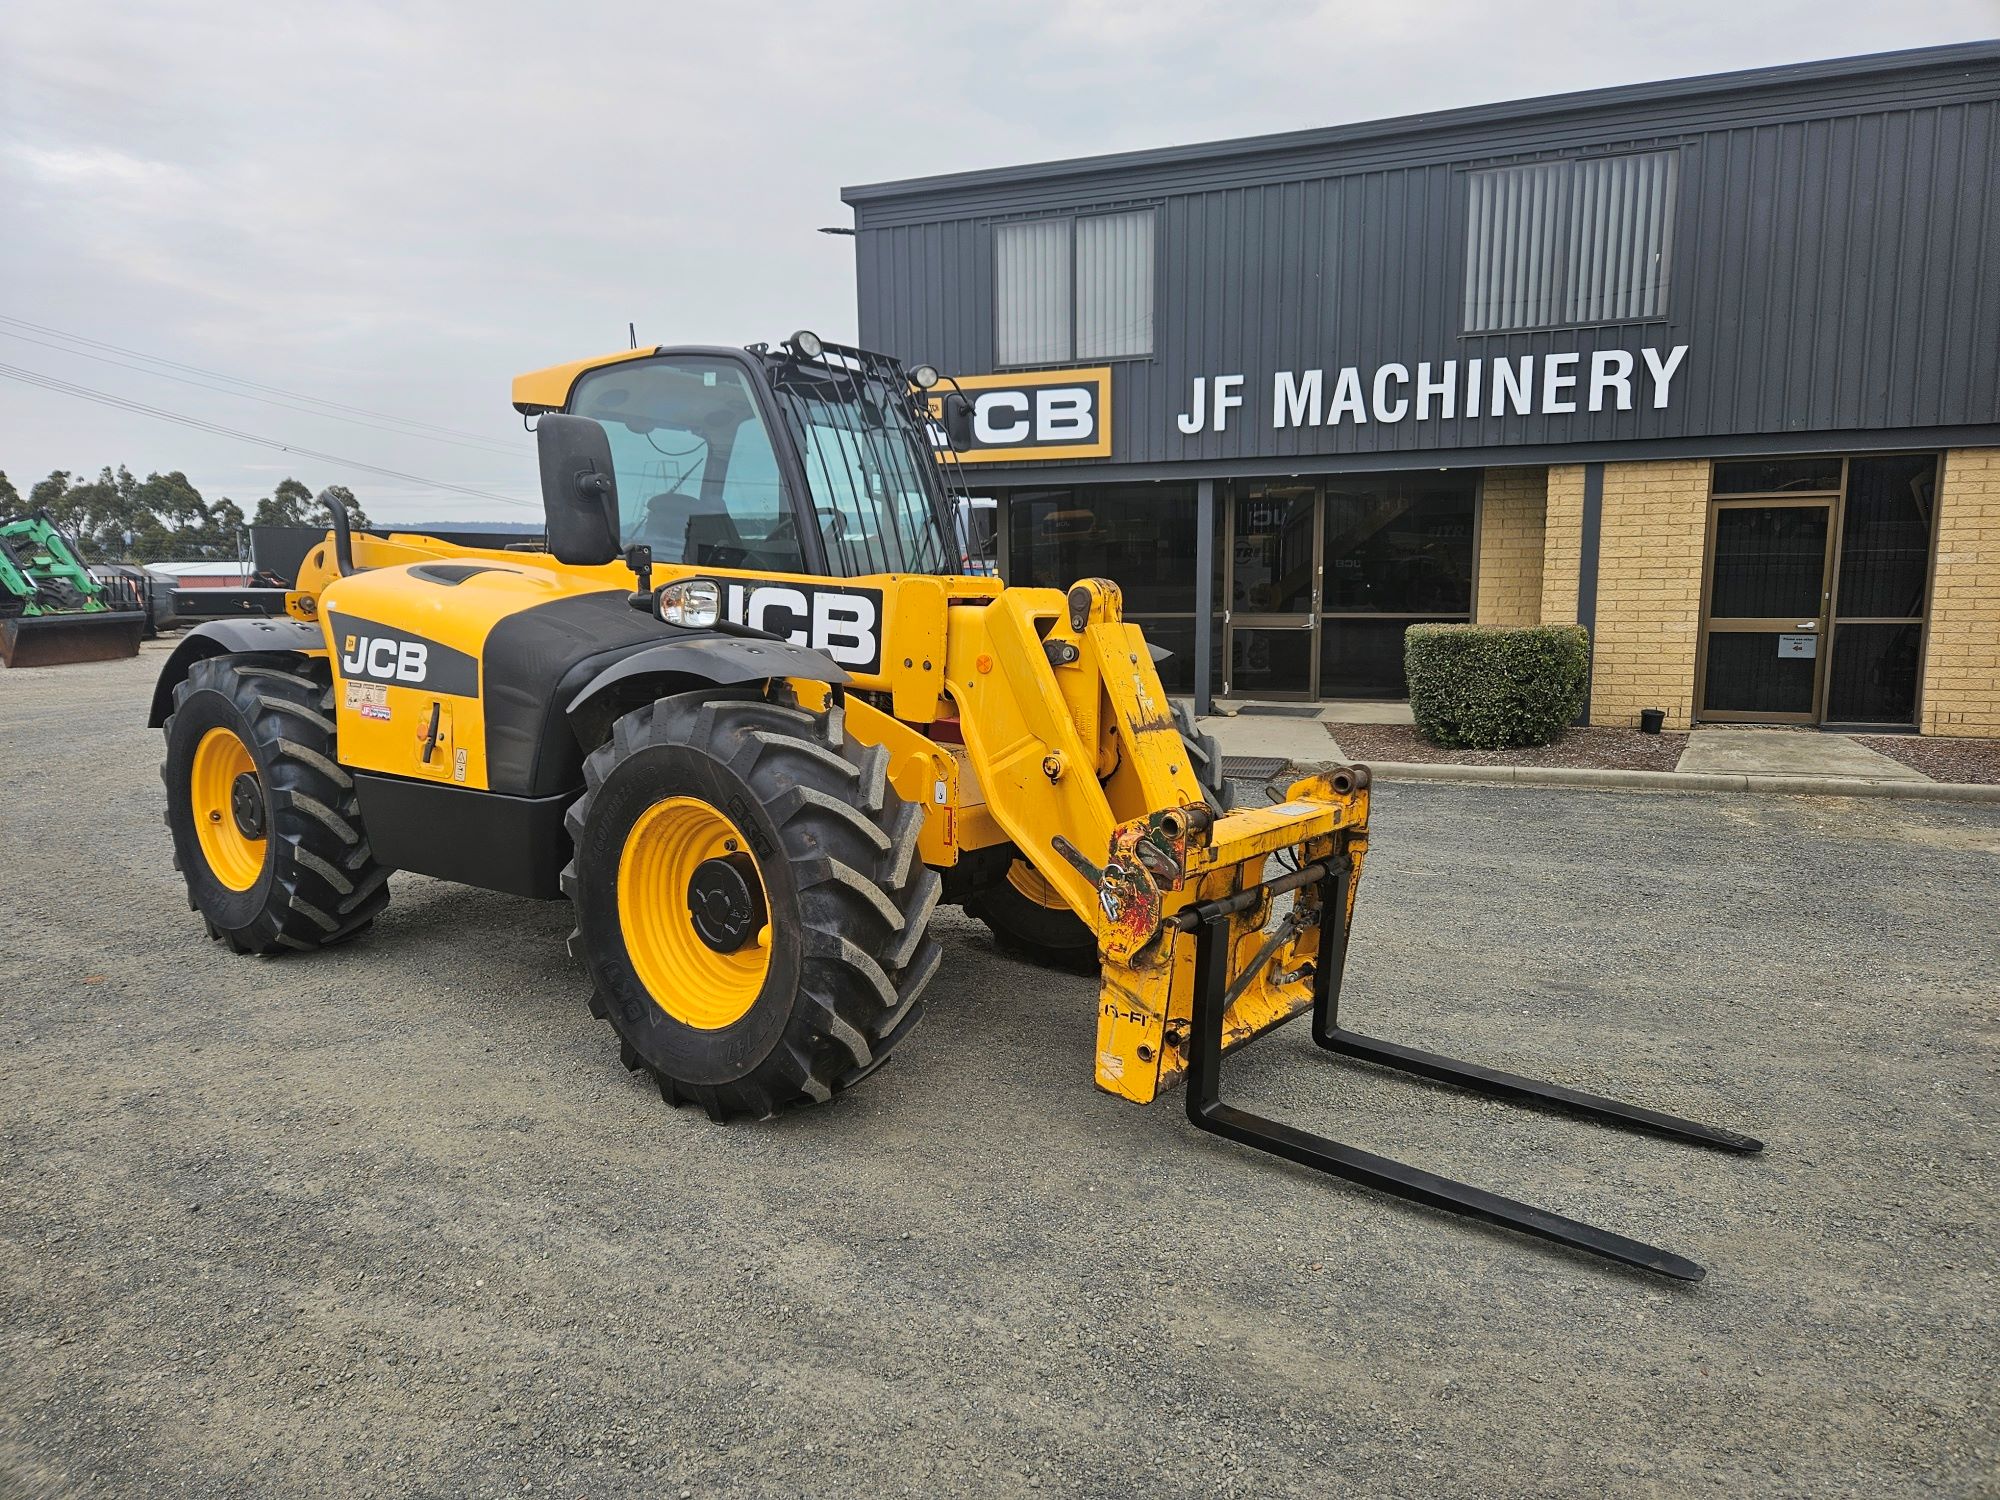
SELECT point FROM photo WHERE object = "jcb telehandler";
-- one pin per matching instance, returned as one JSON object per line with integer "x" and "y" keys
{"x": 751, "y": 717}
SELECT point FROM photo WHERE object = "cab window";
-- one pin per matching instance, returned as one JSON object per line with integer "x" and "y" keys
{"x": 698, "y": 480}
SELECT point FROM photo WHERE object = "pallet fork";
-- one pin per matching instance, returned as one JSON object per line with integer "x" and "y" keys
{"x": 1209, "y": 923}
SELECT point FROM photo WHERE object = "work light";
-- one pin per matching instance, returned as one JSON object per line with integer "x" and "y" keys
{"x": 694, "y": 602}
{"x": 807, "y": 343}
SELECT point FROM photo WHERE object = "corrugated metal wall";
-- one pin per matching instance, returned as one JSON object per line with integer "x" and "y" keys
{"x": 1834, "y": 265}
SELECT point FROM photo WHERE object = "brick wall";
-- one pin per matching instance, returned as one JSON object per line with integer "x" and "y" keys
{"x": 1649, "y": 565}
{"x": 1562, "y": 543}
{"x": 1513, "y": 506}
{"x": 1961, "y": 694}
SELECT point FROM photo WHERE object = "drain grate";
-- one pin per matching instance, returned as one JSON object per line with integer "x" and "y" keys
{"x": 1281, "y": 710}
{"x": 1252, "y": 767}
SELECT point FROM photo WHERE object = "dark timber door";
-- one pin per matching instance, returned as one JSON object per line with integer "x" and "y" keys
{"x": 1769, "y": 581}
{"x": 1272, "y": 621}
{"x": 1818, "y": 579}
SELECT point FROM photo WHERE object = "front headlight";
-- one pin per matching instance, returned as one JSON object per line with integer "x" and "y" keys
{"x": 694, "y": 602}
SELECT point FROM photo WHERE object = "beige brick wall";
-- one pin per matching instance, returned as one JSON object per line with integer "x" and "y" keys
{"x": 1513, "y": 505}
{"x": 1961, "y": 691}
{"x": 1649, "y": 564}
{"x": 1562, "y": 543}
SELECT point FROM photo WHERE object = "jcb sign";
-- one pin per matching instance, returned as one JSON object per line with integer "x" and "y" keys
{"x": 1034, "y": 414}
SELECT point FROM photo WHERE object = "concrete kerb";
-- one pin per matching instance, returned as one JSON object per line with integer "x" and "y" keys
{"x": 1665, "y": 781}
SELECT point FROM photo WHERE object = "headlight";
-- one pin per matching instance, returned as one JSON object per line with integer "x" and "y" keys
{"x": 694, "y": 602}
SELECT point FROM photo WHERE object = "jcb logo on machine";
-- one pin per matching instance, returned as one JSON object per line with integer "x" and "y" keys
{"x": 844, "y": 624}
{"x": 374, "y": 653}
{"x": 383, "y": 657}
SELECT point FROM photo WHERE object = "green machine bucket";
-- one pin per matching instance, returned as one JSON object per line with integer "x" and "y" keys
{"x": 52, "y": 611}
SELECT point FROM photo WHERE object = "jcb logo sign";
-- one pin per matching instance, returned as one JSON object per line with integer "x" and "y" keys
{"x": 844, "y": 624}
{"x": 382, "y": 659}
{"x": 1034, "y": 414}
{"x": 369, "y": 652}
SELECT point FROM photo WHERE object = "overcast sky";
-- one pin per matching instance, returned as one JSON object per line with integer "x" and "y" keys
{"x": 399, "y": 207}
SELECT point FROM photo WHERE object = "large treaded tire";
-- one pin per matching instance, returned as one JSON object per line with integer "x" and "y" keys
{"x": 320, "y": 883}
{"x": 1053, "y": 936}
{"x": 849, "y": 900}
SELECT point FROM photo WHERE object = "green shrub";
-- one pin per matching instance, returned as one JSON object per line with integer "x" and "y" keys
{"x": 1485, "y": 687}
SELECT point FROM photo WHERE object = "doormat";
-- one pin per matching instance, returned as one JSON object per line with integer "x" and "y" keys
{"x": 1281, "y": 710}
{"x": 1252, "y": 767}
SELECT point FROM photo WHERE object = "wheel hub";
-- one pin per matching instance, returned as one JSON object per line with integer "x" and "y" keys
{"x": 726, "y": 902}
{"x": 246, "y": 804}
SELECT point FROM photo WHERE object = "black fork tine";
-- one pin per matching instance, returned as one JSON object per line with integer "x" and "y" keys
{"x": 1206, "y": 1111}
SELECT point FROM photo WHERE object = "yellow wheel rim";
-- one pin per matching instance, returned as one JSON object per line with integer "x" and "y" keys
{"x": 1026, "y": 879}
{"x": 229, "y": 812}
{"x": 673, "y": 887}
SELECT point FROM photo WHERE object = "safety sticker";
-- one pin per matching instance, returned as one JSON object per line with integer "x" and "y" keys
{"x": 375, "y": 711}
{"x": 458, "y": 765}
{"x": 360, "y": 694}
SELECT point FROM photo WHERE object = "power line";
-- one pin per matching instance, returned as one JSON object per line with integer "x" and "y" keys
{"x": 480, "y": 444}
{"x": 360, "y": 411}
{"x": 105, "y": 398}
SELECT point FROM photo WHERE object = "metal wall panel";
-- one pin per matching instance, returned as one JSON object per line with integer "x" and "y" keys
{"x": 1833, "y": 265}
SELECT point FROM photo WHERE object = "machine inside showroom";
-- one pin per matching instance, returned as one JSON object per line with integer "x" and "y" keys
{"x": 750, "y": 712}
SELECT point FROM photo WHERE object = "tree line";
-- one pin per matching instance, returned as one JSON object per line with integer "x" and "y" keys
{"x": 119, "y": 517}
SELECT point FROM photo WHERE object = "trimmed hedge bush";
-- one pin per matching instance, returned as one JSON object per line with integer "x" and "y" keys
{"x": 1487, "y": 687}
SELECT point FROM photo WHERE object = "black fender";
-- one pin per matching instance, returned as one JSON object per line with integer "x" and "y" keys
{"x": 702, "y": 657}
{"x": 225, "y": 638}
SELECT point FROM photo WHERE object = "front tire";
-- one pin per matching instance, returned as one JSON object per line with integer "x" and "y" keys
{"x": 749, "y": 901}
{"x": 266, "y": 828}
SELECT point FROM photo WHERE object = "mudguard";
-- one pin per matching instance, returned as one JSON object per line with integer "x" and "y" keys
{"x": 223, "y": 638}
{"x": 712, "y": 658}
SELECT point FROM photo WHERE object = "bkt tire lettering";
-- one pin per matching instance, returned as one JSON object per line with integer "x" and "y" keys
{"x": 841, "y": 623}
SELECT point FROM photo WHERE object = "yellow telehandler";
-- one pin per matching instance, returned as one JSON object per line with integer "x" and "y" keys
{"x": 749, "y": 712}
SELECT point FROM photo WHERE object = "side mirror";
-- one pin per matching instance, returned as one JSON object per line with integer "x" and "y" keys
{"x": 579, "y": 489}
{"x": 958, "y": 420}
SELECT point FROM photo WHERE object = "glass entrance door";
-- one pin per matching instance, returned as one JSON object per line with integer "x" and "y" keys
{"x": 1769, "y": 584}
{"x": 1272, "y": 618}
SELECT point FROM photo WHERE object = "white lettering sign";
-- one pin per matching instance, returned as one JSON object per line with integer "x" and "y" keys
{"x": 1500, "y": 387}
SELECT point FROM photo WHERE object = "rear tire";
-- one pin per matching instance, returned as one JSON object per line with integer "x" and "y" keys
{"x": 266, "y": 829}
{"x": 799, "y": 830}
{"x": 1031, "y": 922}
{"x": 1020, "y": 910}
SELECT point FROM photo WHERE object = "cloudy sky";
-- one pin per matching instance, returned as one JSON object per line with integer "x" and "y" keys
{"x": 397, "y": 207}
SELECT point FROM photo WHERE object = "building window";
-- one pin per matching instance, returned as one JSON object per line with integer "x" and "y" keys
{"x": 1141, "y": 536}
{"x": 1569, "y": 242}
{"x": 1067, "y": 289}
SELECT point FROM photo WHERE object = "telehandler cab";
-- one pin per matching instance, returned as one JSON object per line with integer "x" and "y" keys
{"x": 750, "y": 716}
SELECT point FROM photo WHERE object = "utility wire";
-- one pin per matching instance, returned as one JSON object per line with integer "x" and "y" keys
{"x": 483, "y": 445}
{"x": 359, "y": 411}
{"x": 105, "y": 398}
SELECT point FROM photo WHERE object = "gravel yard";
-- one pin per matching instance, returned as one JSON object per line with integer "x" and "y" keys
{"x": 391, "y": 1219}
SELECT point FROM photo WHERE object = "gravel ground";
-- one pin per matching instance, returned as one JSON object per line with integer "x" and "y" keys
{"x": 1976, "y": 761}
{"x": 391, "y": 1219}
{"x": 1593, "y": 747}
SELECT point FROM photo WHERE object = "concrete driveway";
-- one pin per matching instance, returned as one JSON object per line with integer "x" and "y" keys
{"x": 392, "y": 1220}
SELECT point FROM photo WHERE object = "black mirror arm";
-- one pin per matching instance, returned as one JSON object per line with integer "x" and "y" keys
{"x": 639, "y": 558}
